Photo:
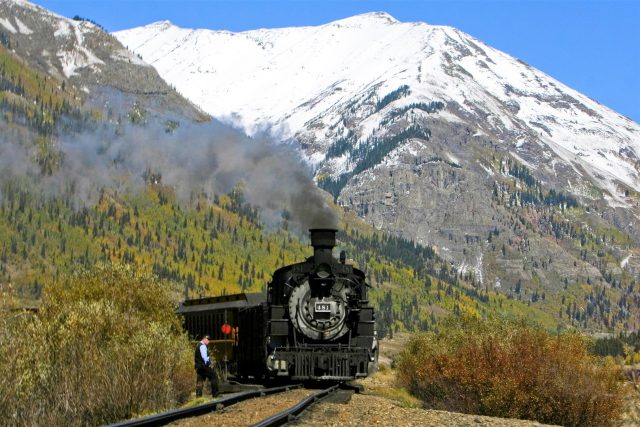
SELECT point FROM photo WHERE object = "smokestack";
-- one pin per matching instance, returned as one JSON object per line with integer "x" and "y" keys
{"x": 323, "y": 240}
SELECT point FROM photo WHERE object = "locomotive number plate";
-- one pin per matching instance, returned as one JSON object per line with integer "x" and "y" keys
{"x": 323, "y": 307}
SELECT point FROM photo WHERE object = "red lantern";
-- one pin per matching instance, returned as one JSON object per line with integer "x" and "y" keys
{"x": 226, "y": 329}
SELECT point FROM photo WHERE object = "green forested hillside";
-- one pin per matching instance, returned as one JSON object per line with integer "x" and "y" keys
{"x": 219, "y": 246}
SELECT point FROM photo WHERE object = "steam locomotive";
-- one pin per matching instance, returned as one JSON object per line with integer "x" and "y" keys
{"x": 314, "y": 322}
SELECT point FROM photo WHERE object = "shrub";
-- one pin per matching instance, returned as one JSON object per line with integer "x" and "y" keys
{"x": 106, "y": 345}
{"x": 512, "y": 370}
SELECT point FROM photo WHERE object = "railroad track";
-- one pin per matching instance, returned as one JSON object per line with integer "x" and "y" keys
{"x": 278, "y": 419}
{"x": 293, "y": 412}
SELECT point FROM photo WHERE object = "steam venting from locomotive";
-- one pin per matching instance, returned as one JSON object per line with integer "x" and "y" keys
{"x": 193, "y": 159}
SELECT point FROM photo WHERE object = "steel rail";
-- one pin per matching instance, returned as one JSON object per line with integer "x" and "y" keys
{"x": 293, "y": 412}
{"x": 205, "y": 408}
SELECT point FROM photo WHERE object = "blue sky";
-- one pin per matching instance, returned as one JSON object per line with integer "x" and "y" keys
{"x": 592, "y": 46}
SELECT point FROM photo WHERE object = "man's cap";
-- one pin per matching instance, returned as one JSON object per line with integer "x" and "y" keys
{"x": 207, "y": 336}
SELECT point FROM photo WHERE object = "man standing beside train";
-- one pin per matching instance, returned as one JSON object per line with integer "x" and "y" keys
{"x": 203, "y": 368}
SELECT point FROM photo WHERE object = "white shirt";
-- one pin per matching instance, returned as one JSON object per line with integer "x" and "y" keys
{"x": 204, "y": 352}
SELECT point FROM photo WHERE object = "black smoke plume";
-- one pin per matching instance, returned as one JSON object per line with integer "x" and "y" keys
{"x": 209, "y": 157}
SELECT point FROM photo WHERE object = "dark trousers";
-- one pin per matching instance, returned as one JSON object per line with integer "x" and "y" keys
{"x": 203, "y": 373}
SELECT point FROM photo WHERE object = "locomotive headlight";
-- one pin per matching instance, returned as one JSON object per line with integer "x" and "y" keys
{"x": 323, "y": 271}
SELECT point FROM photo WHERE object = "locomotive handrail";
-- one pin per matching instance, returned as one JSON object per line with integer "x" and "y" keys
{"x": 287, "y": 415}
{"x": 205, "y": 408}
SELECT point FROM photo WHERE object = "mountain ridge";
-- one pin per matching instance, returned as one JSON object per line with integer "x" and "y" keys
{"x": 252, "y": 109}
{"x": 83, "y": 53}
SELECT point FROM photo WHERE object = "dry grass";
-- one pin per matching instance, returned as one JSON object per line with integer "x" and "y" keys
{"x": 400, "y": 396}
{"x": 511, "y": 370}
{"x": 384, "y": 384}
{"x": 631, "y": 414}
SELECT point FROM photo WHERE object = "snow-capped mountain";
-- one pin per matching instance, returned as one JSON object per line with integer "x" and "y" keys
{"x": 428, "y": 133}
{"x": 292, "y": 78}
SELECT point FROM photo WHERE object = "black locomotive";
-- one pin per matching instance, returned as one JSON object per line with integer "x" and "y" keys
{"x": 314, "y": 323}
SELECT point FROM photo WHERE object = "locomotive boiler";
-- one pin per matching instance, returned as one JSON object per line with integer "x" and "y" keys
{"x": 315, "y": 321}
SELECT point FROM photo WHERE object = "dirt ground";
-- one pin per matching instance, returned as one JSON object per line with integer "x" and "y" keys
{"x": 381, "y": 403}
{"x": 248, "y": 412}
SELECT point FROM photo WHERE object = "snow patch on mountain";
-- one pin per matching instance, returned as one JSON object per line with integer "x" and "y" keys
{"x": 127, "y": 55}
{"x": 7, "y": 25}
{"x": 23, "y": 3}
{"x": 476, "y": 269}
{"x": 486, "y": 169}
{"x": 79, "y": 56}
{"x": 64, "y": 29}
{"x": 523, "y": 161}
{"x": 23, "y": 28}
